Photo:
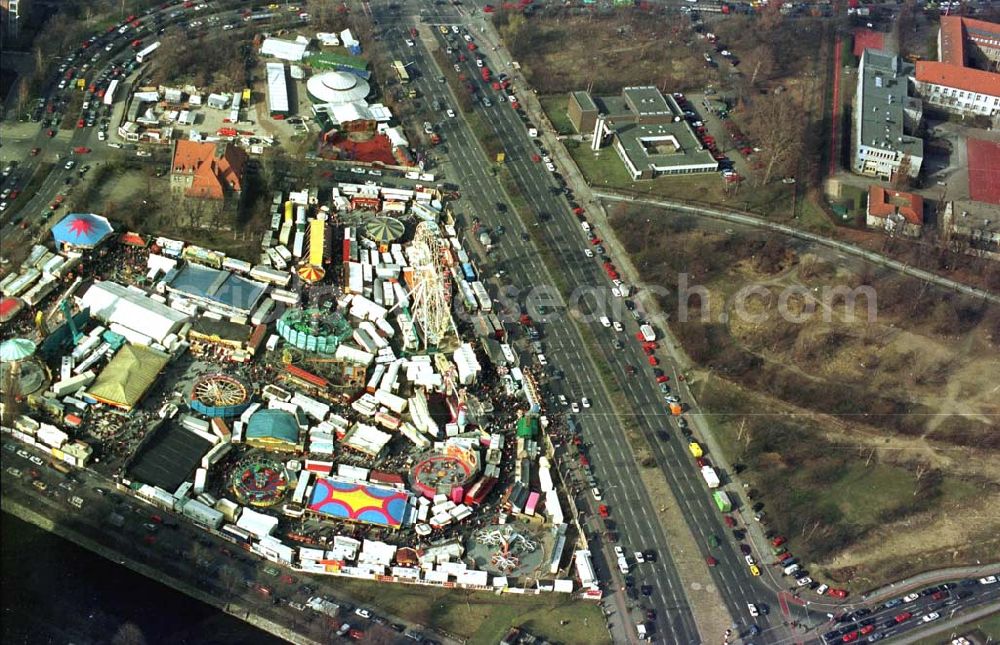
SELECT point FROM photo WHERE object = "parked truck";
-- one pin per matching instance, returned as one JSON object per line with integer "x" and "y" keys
{"x": 695, "y": 449}
{"x": 711, "y": 477}
{"x": 722, "y": 501}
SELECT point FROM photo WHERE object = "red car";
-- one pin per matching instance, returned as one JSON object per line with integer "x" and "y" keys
{"x": 903, "y": 617}
{"x": 850, "y": 637}
{"x": 14, "y": 193}
{"x": 778, "y": 541}
{"x": 80, "y": 123}
{"x": 487, "y": 8}
{"x": 662, "y": 379}
{"x": 603, "y": 510}
{"x": 867, "y": 629}
{"x": 730, "y": 522}
{"x": 584, "y": 461}
{"x": 837, "y": 593}
{"x": 937, "y": 595}
{"x": 654, "y": 361}
{"x": 784, "y": 556}
{"x": 150, "y": 539}
{"x": 50, "y": 133}
{"x": 700, "y": 461}
{"x": 471, "y": 47}
{"x": 710, "y": 561}
{"x": 81, "y": 150}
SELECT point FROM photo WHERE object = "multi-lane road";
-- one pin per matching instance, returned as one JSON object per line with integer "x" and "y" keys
{"x": 612, "y": 460}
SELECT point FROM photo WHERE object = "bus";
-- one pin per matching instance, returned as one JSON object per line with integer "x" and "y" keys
{"x": 404, "y": 77}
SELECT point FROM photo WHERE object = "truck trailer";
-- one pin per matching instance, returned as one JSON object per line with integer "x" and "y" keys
{"x": 722, "y": 501}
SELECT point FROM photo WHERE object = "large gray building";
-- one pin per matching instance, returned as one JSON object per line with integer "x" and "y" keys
{"x": 648, "y": 131}
{"x": 885, "y": 118}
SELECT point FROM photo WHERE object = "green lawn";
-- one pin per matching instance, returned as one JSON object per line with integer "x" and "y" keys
{"x": 603, "y": 170}
{"x": 555, "y": 109}
{"x": 484, "y": 617}
{"x": 855, "y": 491}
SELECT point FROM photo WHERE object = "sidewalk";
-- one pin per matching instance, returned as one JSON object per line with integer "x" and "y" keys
{"x": 931, "y": 577}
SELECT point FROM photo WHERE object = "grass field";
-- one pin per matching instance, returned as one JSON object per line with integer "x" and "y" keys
{"x": 555, "y": 109}
{"x": 484, "y": 618}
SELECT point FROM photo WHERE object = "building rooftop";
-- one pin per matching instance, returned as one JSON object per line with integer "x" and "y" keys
{"x": 884, "y": 94}
{"x": 646, "y": 101}
{"x": 277, "y": 88}
{"x": 968, "y": 79}
{"x": 883, "y": 203}
{"x": 276, "y": 426}
{"x": 213, "y": 285}
{"x": 213, "y": 168}
{"x": 585, "y": 100}
{"x": 957, "y": 32}
{"x": 663, "y": 145}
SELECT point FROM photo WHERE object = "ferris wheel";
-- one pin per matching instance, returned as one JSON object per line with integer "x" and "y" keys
{"x": 220, "y": 390}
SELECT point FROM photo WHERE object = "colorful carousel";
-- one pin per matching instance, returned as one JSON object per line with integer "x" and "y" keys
{"x": 259, "y": 482}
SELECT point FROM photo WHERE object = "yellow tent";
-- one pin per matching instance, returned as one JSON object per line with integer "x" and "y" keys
{"x": 127, "y": 377}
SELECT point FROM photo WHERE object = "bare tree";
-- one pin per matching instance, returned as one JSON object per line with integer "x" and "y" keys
{"x": 762, "y": 61}
{"x": 776, "y": 123}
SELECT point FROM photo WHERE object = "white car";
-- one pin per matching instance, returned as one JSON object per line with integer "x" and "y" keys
{"x": 563, "y": 400}
{"x": 454, "y": 29}
{"x": 410, "y": 43}
{"x": 597, "y": 495}
{"x": 616, "y": 292}
{"x": 450, "y": 113}
{"x": 988, "y": 580}
{"x": 512, "y": 98}
{"x": 822, "y": 589}
{"x": 619, "y": 551}
{"x": 931, "y": 617}
{"x": 618, "y": 326}
{"x": 364, "y": 613}
{"x": 804, "y": 581}
{"x": 752, "y": 608}
{"x": 546, "y": 159}
{"x": 750, "y": 560}
{"x": 467, "y": 37}
{"x": 13, "y": 471}
{"x": 479, "y": 62}
{"x": 639, "y": 557}
{"x": 458, "y": 68}
{"x": 36, "y": 460}
{"x": 23, "y": 454}
{"x": 585, "y": 402}
{"x": 3, "y": 206}
{"x": 542, "y": 360}
{"x": 550, "y": 167}
{"x": 588, "y": 253}
{"x": 69, "y": 165}
{"x": 101, "y": 136}
{"x": 575, "y": 407}
{"x": 910, "y": 597}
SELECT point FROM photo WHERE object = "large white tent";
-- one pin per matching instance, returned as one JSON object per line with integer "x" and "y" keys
{"x": 337, "y": 88}
{"x": 131, "y": 311}
{"x": 283, "y": 49}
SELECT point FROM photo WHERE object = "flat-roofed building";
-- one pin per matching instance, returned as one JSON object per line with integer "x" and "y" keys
{"x": 884, "y": 118}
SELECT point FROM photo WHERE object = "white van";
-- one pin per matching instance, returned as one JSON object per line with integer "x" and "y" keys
{"x": 586, "y": 226}
{"x": 605, "y": 321}
{"x": 790, "y": 569}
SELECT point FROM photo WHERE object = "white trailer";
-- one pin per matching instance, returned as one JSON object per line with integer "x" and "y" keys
{"x": 144, "y": 54}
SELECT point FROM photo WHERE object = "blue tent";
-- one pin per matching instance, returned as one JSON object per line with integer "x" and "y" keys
{"x": 85, "y": 230}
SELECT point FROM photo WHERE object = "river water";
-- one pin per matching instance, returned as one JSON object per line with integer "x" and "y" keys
{"x": 53, "y": 591}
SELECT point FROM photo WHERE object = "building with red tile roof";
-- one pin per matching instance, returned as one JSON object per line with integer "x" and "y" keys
{"x": 894, "y": 211}
{"x": 964, "y": 79}
{"x": 206, "y": 171}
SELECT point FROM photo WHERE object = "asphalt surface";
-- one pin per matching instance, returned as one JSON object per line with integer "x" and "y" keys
{"x": 611, "y": 459}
